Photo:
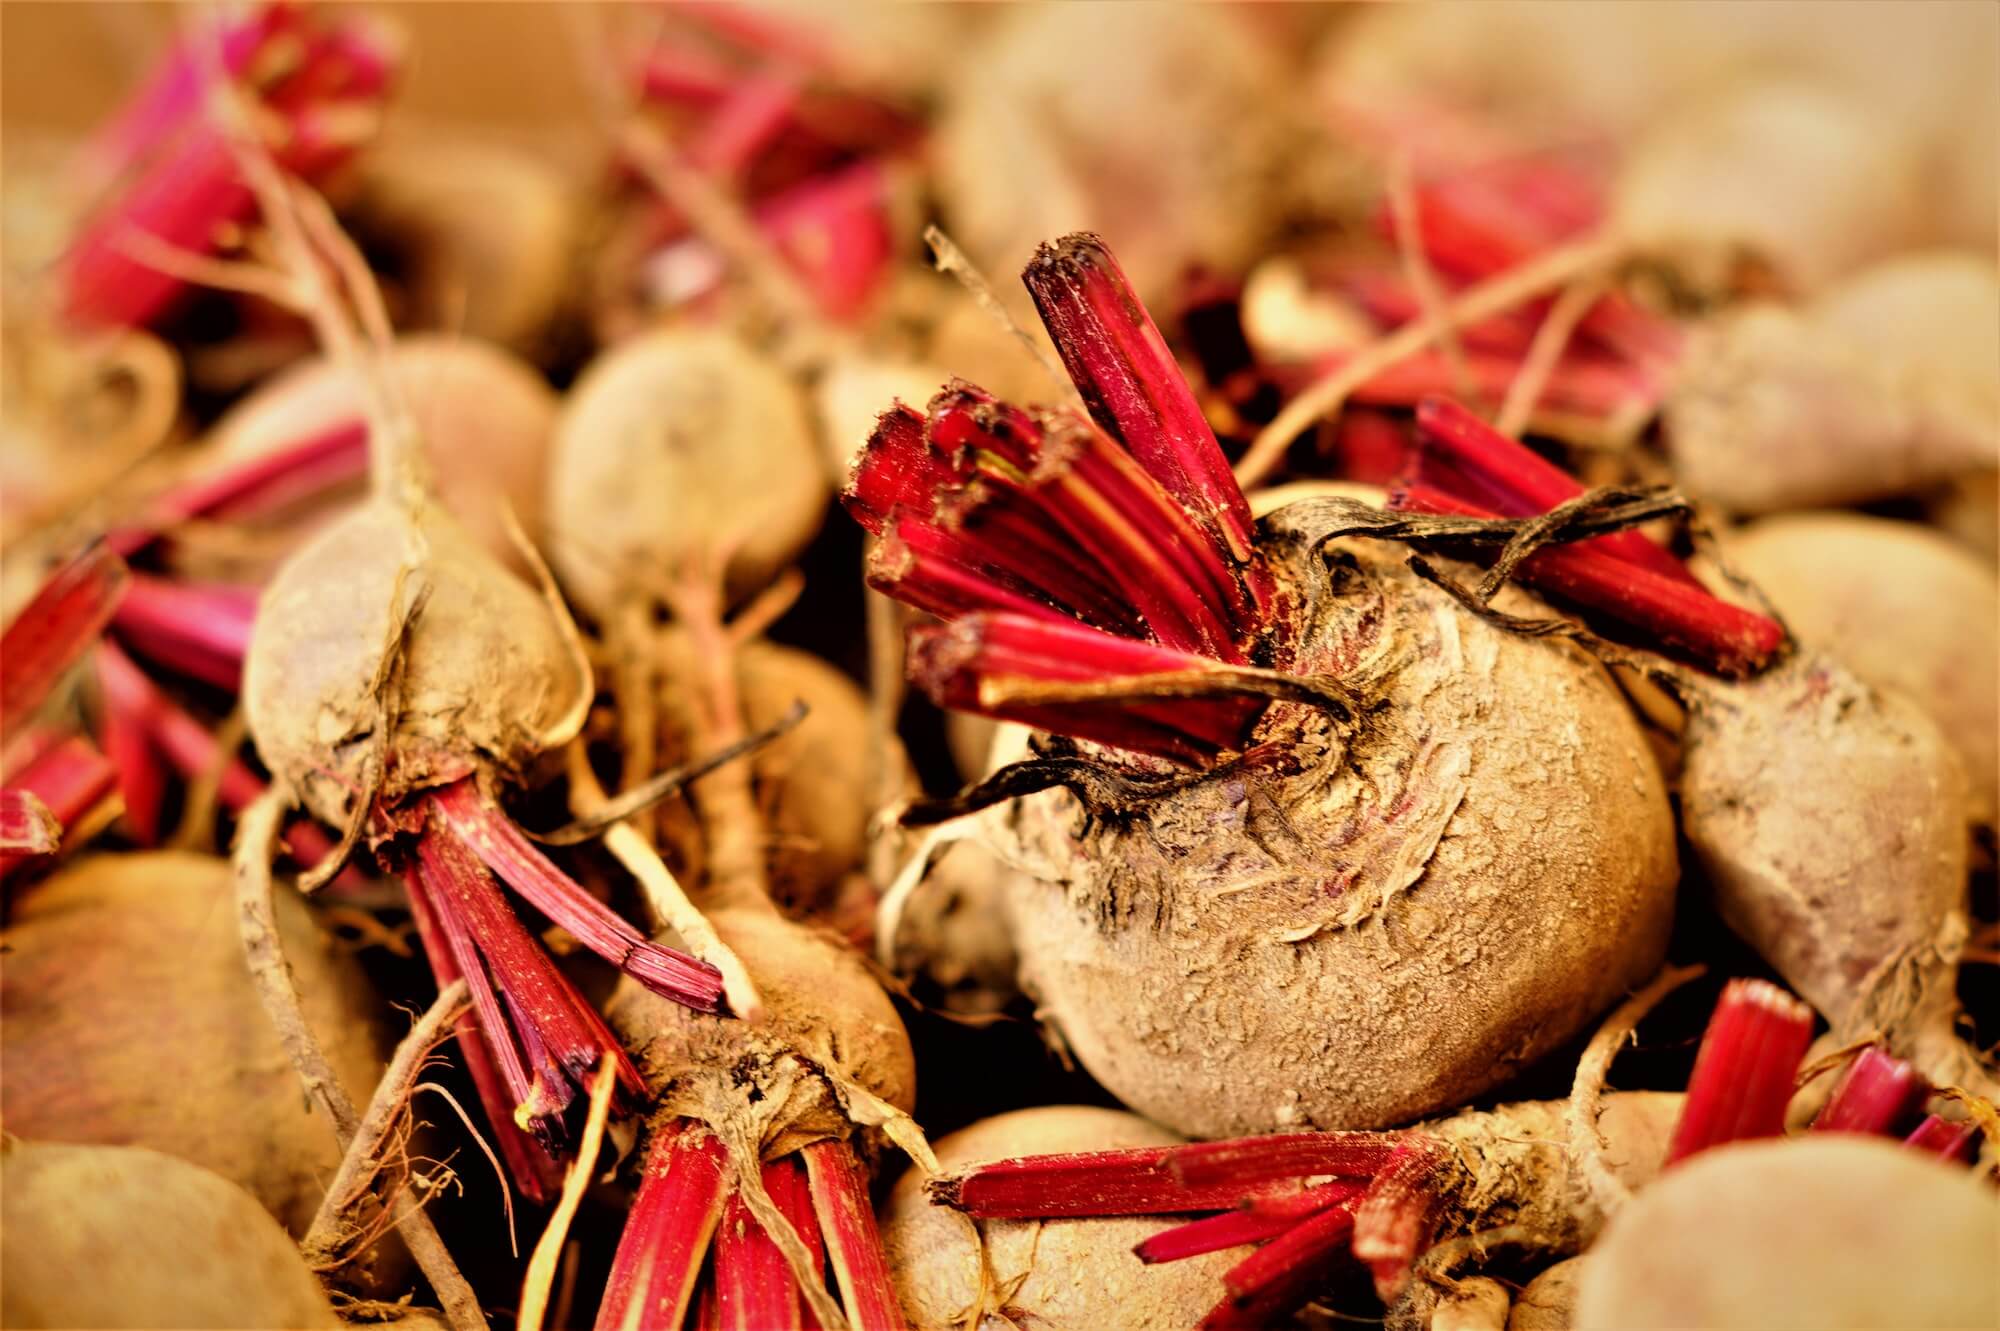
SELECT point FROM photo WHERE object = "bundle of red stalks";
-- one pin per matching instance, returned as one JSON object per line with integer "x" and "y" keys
{"x": 390, "y": 559}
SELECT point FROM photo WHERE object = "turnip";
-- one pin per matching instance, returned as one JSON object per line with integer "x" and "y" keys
{"x": 1252, "y": 917}
{"x": 1157, "y": 128}
{"x": 675, "y": 447}
{"x": 1844, "y": 583}
{"x": 486, "y": 419}
{"x": 139, "y": 952}
{"x": 752, "y": 1141}
{"x": 1065, "y": 1275}
{"x": 1548, "y": 1302}
{"x": 119, "y": 1236}
{"x": 481, "y": 233}
{"x": 1830, "y": 1231}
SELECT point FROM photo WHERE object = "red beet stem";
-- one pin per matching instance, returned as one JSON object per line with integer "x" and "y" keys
{"x": 961, "y": 664}
{"x": 1262, "y": 1218}
{"x": 1596, "y": 389}
{"x": 754, "y": 1289}
{"x": 853, "y": 1244}
{"x": 1506, "y": 475}
{"x": 545, "y": 1039}
{"x": 1279, "y": 1277}
{"x": 27, "y": 828}
{"x": 1372, "y": 447}
{"x": 500, "y": 845}
{"x": 834, "y": 229}
{"x": 199, "y": 630}
{"x": 785, "y": 1180}
{"x": 1149, "y": 1180}
{"x": 67, "y": 778}
{"x": 1399, "y": 1217}
{"x": 55, "y": 628}
{"x": 536, "y": 1172}
{"x": 1877, "y": 1094}
{"x": 255, "y": 48}
{"x": 1093, "y": 492}
{"x": 1130, "y": 381}
{"x": 667, "y": 1232}
{"x": 752, "y": 112}
{"x": 1743, "y": 1074}
{"x": 332, "y": 457}
{"x": 1948, "y": 1141}
{"x": 1681, "y": 619}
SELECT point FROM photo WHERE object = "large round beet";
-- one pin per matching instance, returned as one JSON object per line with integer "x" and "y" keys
{"x": 116, "y": 1236}
{"x": 1446, "y": 889}
{"x": 127, "y": 1018}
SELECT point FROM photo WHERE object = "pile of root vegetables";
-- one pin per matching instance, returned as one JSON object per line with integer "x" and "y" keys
{"x": 612, "y": 726}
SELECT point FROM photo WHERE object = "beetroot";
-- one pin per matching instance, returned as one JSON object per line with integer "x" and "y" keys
{"x": 1065, "y": 1275}
{"x": 125, "y": 954}
{"x": 752, "y": 1140}
{"x": 1339, "y": 911}
{"x": 1830, "y": 1231}
{"x": 118, "y": 1236}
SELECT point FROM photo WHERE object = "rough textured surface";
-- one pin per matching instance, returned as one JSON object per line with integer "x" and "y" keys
{"x": 956, "y": 932}
{"x": 1902, "y": 606}
{"x": 127, "y": 1019}
{"x": 485, "y": 416}
{"x": 1449, "y": 887}
{"x": 1055, "y": 1275}
{"x": 1771, "y": 411}
{"x": 101, "y": 1236}
{"x": 1548, "y": 1302}
{"x": 678, "y": 446}
{"x": 487, "y": 676}
{"x": 1831, "y": 821}
{"x": 1826, "y": 1230}
{"x": 1099, "y": 117}
{"x": 823, "y": 1011}
{"x": 1788, "y": 174}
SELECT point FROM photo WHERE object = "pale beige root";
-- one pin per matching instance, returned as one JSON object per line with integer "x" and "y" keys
{"x": 854, "y": 390}
{"x": 120, "y": 1236}
{"x": 127, "y": 1019}
{"x": 1054, "y": 1275}
{"x": 485, "y": 232}
{"x": 676, "y": 447}
{"x": 1286, "y": 319}
{"x": 1772, "y": 411}
{"x": 1269, "y": 500}
{"x": 485, "y": 673}
{"x": 1454, "y": 883}
{"x": 1787, "y": 174}
{"x": 1828, "y": 1230}
{"x": 1831, "y": 822}
{"x": 1932, "y": 319}
{"x": 956, "y": 930}
{"x": 828, "y": 1028}
{"x": 485, "y": 416}
{"x": 1903, "y": 606}
{"x": 1476, "y": 1304}
{"x": 1548, "y": 1302}
{"x": 1156, "y": 128}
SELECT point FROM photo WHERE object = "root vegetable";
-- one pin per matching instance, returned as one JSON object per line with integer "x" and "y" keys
{"x": 482, "y": 234}
{"x": 678, "y": 447}
{"x": 1829, "y": 1231}
{"x": 1830, "y": 819}
{"x": 1065, "y": 1275}
{"x": 1337, "y": 914}
{"x": 811, "y": 784}
{"x": 486, "y": 418}
{"x": 1158, "y": 129}
{"x": 850, "y": 395}
{"x": 1848, "y": 584}
{"x": 135, "y": 957}
{"x": 1548, "y": 1302}
{"x": 738, "y": 1110}
{"x": 1886, "y": 385}
{"x": 109, "y": 1236}
{"x": 957, "y": 931}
